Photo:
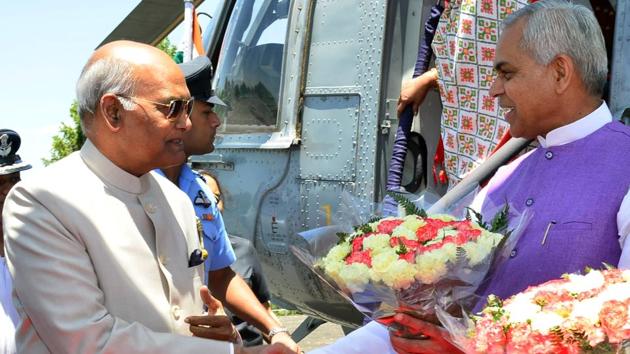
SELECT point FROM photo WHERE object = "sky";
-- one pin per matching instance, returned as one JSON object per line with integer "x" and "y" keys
{"x": 45, "y": 45}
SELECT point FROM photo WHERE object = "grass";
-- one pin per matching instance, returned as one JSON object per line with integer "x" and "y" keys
{"x": 283, "y": 312}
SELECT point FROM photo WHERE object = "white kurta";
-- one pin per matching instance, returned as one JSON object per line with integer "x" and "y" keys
{"x": 371, "y": 338}
{"x": 99, "y": 260}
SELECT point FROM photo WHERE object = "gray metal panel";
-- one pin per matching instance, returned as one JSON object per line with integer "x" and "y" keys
{"x": 346, "y": 51}
{"x": 620, "y": 78}
{"x": 320, "y": 201}
{"x": 251, "y": 175}
{"x": 293, "y": 68}
{"x": 336, "y": 42}
{"x": 329, "y": 130}
{"x": 150, "y": 21}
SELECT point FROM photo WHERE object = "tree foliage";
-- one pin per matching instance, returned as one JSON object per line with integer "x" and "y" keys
{"x": 169, "y": 48}
{"x": 70, "y": 137}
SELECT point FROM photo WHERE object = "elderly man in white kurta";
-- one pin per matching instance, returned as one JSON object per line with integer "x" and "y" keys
{"x": 105, "y": 255}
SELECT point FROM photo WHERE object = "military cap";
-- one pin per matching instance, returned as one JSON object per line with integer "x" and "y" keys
{"x": 10, "y": 161}
{"x": 199, "y": 75}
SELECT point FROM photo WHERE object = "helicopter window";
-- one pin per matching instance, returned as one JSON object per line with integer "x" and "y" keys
{"x": 249, "y": 69}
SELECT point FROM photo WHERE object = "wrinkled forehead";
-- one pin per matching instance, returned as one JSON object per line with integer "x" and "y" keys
{"x": 508, "y": 49}
{"x": 153, "y": 70}
{"x": 160, "y": 80}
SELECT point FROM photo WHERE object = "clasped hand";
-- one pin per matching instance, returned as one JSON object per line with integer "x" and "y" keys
{"x": 216, "y": 325}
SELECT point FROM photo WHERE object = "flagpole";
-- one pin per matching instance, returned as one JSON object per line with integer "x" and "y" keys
{"x": 187, "y": 42}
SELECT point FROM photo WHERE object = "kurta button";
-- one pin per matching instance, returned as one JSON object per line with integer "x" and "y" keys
{"x": 513, "y": 253}
{"x": 549, "y": 155}
{"x": 150, "y": 208}
{"x": 177, "y": 312}
{"x": 162, "y": 260}
{"x": 529, "y": 202}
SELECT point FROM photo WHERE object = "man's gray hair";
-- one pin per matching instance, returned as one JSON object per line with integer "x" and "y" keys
{"x": 107, "y": 75}
{"x": 555, "y": 27}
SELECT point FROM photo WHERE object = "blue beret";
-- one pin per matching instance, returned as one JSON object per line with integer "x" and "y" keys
{"x": 199, "y": 75}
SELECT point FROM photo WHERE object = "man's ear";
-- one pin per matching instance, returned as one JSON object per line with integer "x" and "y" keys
{"x": 111, "y": 109}
{"x": 563, "y": 71}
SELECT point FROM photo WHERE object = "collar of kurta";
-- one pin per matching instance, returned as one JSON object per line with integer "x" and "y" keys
{"x": 579, "y": 129}
{"x": 186, "y": 176}
{"x": 110, "y": 173}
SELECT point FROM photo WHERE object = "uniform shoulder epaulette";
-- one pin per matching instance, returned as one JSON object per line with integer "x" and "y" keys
{"x": 200, "y": 176}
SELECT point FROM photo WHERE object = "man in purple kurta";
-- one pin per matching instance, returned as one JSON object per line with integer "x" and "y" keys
{"x": 552, "y": 67}
{"x": 575, "y": 191}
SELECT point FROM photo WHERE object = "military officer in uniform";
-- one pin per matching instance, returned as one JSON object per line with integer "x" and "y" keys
{"x": 10, "y": 167}
{"x": 224, "y": 283}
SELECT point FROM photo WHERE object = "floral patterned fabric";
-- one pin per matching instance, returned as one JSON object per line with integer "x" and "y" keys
{"x": 464, "y": 44}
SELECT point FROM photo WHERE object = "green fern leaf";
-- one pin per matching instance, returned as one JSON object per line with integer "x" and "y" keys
{"x": 410, "y": 208}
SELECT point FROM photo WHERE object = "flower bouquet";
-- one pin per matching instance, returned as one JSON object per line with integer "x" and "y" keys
{"x": 576, "y": 314}
{"x": 410, "y": 263}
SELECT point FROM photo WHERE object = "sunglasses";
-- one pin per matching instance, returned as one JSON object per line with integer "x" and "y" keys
{"x": 175, "y": 107}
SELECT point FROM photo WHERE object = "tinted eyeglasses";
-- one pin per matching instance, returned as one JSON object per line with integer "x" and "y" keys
{"x": 175, "y": 107}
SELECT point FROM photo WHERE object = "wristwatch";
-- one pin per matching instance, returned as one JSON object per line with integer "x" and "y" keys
{"x": 276, "y": 330}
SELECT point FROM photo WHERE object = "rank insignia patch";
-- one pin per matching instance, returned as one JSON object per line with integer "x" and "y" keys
{"x": 202, "y": 199}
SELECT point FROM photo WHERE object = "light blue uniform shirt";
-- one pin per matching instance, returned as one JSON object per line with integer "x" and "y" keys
{"x": 215, "y": 238}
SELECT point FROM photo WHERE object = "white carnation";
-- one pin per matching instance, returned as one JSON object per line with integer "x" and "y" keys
{"x": 544, "y": 321}
{"x": 617, "y": 291}
{"x": 582, "y": 283}
{"x": 377, "y": 243}
{"x": 522, "y": 307}
{"x": 431, "y": 266}
{"x": 355, "y": 276}
{"x": 443, "y": 217}
{"x": 478, "y": 250}
{"x": 402, "y": 231}
{"x": 413, "y": 223}
{"x": 333, "y": 269}
{"x": 450, "y": 251}
{"x": 338, "y": 253}
{"x": 401, "y": 274}
{"x": 381, "y": 263}
{"x": 588, "y": 308}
